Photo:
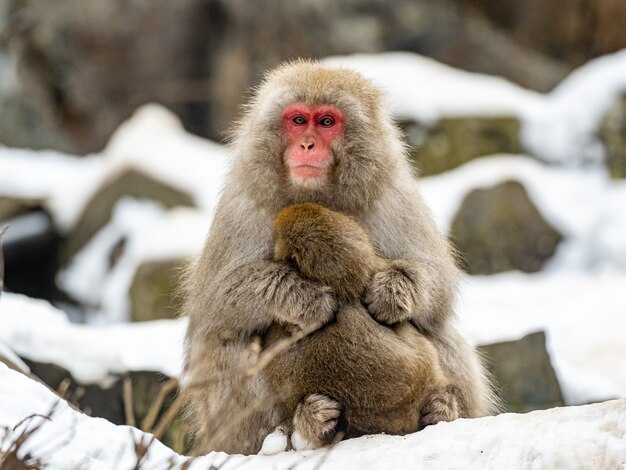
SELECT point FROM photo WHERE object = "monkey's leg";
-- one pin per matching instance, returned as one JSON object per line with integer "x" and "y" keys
{"x": 463, "y": 370}
{"x": 315, "y": 422}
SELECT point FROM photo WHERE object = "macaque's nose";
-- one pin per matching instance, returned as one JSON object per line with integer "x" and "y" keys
{"x": 307, "y": 143}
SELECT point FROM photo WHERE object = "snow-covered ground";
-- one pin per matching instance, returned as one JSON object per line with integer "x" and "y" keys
{"x": 592, "y": 436}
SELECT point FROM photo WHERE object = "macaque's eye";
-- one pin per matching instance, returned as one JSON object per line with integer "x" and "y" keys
{"x": 327, "y": 121}
{"x": 298, "y": 120}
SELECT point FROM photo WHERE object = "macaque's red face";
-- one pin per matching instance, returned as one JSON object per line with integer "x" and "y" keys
{"x": 310, "y": 131}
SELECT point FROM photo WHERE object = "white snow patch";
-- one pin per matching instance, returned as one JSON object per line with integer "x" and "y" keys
{"x": 154, "y": 141}
{"x": 425, "y": 90}
{"x": 62, "y": 182}
{"x": 37, "y": 331}
{"x": 582, "y": 313}
{"x": 7, "y": 353}
{"x": 274, "y": 443}
{"x": 565, "y": 130}
{"x": 70, "y": 439}
{"x": 593, "y": 436}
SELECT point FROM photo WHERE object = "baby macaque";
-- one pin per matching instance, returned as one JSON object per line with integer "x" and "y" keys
{"x": 378, "y": 378}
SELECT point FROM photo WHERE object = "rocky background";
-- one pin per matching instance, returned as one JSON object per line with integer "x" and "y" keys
{"x": 71, "y": 71}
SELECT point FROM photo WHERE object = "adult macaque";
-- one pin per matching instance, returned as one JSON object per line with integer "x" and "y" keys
{"x": 382, "y": 379}
{"x": 311, "y": 134}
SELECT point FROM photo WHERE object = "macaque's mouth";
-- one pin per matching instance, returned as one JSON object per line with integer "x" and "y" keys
{"x": 307, "y": 171}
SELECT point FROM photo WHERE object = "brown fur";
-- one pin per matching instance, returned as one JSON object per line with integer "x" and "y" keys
{"x": 235, "y": 290}
{"x": 382, "y": 377}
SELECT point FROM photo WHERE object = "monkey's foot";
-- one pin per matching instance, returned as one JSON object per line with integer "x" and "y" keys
{"x": 315, "y": 422}
{"x": 441, "y": 406}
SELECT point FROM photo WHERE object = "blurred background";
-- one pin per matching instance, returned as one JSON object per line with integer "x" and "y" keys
{"x": 112, "y": 114}
{"x": 73, "y": 70}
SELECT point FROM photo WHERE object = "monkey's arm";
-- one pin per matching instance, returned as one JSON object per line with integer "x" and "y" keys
{"x": 235, "y": 288}
{"x": 420, "y": 283}
{"x": 255, "y": 294}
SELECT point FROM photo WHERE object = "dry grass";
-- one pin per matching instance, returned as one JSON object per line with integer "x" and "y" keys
{"x": 16, "y": 456}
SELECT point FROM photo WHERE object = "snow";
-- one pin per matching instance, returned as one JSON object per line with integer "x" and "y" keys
{"x": 154, "y": 141}
{"x": 558, "y": 127}
{"x": 62, "y": 182}
{"x": 274, "y": 443}
{"x": 38, "y": 331}
{"x": 425, "y": 90}
{"x": 71, "y": 439}
{"x": 9, "y": 354}
{"x": 566, "y": 129}
{"x": 592, "y": 436}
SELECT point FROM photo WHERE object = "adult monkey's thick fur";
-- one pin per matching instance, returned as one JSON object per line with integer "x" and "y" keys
{"x": 235, "y": 291}
{"x": 382, "y": 379}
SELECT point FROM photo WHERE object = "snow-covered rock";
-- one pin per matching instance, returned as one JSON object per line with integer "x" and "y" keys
{"x": 36, "y": 330}
{"x": 592, "y": 436}
{"x": 582, "y": 313}
{"x": 560, "y": 126}
{"x": 585, "y": 205}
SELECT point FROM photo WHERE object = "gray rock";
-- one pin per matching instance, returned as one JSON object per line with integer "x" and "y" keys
{"x": 13, "y": 206}
{"x": 524, "y": 377}
{"x": 83, "y": 67}
{"x": 154, "y": 292}
{"x": 454, "y": 141}
{"x": 77, "y": 69}
{"x": 500, "y": 229}
{"x": 613, "y": 134}
{"x": 573, "y": 33}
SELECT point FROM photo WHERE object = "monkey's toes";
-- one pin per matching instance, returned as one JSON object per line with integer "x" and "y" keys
{"x": 441, "y": 406}
{"x": 315, "y": 422}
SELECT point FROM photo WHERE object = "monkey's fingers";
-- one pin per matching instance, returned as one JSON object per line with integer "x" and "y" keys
{"x": 317, "y": 307}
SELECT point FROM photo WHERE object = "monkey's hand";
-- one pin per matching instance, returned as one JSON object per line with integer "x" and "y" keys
{"x": 393, "y": 294}
{"x": 303, "y": 303}
{"x": 442, "y": 405}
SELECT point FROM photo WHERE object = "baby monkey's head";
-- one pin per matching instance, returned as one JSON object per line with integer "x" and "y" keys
{"x": 326, "y": 247}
